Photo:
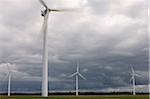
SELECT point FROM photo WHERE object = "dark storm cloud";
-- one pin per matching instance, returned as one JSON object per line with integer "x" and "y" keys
{"x": 105, "y": 37}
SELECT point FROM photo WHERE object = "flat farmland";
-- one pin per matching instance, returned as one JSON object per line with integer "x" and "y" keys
{"x": 79, "y": 97}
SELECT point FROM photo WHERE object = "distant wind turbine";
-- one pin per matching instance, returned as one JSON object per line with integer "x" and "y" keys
{"x": 77, "y": 75}
{"x": 45, "y": 14}
{"x": 133, "y": 75}
{"x": 9, "y": 83}
{"x": 8, "y": 76}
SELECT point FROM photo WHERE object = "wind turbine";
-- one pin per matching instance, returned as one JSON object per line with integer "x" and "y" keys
{"x": 77, "y": 75}
{"x": 45, "y": 14}
{"x": 9, "y": 82}
{"x": 8, "y": 76}
{"x": 133, "y": 75}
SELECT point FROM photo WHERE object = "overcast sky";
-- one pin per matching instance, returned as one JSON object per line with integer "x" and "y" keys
{"x": 104, "y": 36}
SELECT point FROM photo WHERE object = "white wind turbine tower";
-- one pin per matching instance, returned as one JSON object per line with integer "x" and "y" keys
{"x": 133, "y": 75}
{"x": 77, "y": 75}
{"x": 45, "y": 14}
{"x": 9, "y": 81}
{"x": 8, "y": 76}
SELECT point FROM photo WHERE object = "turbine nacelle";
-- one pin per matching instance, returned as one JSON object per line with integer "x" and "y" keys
{"x": 43, "y": 13}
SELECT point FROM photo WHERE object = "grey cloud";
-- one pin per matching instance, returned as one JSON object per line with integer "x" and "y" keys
{"x": 137, "y": 10}
{"x": 105, "y": 37}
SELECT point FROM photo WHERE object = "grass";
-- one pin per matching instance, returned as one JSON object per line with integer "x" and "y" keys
{"x": 80, "y": 97}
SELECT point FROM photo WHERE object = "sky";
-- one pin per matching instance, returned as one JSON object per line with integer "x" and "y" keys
{"x": 105, "y": 37}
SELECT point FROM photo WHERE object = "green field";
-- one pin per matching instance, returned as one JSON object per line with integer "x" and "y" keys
{"x": 80, "y": 97}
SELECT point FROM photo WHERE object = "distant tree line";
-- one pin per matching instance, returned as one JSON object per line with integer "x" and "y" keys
{"x": 81, "y": 93}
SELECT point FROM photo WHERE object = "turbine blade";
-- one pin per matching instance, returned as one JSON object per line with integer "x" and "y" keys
{"x": 62, "y": 10}
{"x": 138, "y": 75}
{"x": 78, "y": 67}
{"x": 73, "y": 74}
{"x": 132, "y": 69}
{"x": 69, "y": 9}
{"x": 131, "y": 78}
{"x": 55, "y": 10}
{"x": 82, "y": 76}
{"x": 43, "y": 3}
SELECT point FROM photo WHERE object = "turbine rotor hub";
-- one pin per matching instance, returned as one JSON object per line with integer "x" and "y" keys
{"x": 43, "y": 13}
